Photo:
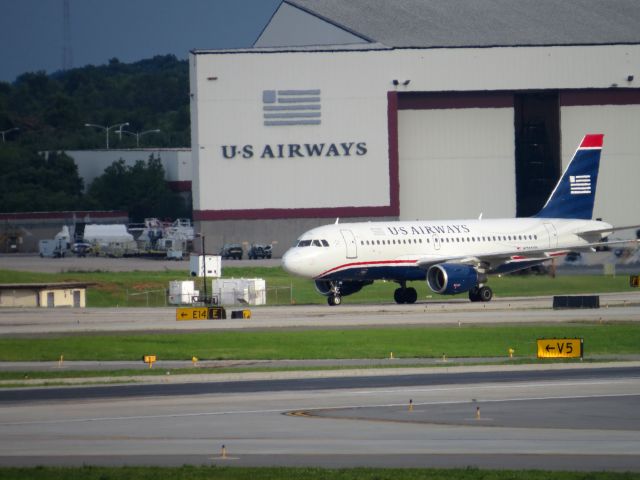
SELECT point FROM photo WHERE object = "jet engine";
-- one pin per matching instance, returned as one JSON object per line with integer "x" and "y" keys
{"x": 452, "y": 278}
{"x": 325, "y": 287}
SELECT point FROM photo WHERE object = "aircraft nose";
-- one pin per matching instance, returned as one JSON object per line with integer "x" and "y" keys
{"x": 289, "y": 263}
{"x": 297, "y": 262}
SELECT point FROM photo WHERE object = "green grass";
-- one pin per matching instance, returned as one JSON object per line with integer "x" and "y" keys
{"x": 139, "y": 288}
{"x": 465, "y": 341}
{"x": 238, "y": 473}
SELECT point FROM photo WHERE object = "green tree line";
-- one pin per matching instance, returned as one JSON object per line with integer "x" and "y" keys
{"x": 50, "y": 113}
{"x": 37, "y": 182}
{"x": 51, "y": 110}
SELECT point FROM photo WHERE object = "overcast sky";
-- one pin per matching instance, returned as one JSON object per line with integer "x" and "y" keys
{"x": 31, "y": 31}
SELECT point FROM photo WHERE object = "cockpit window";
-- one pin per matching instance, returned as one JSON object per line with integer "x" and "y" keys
{"x": 304, "y": 243}
{"x": 324, "y": 243}
{"x": 316, "y": 243}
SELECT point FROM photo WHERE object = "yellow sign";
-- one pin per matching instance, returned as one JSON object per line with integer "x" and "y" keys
{"x": 560, "y": 347}
{"x": 150, "y": 359}
{"x": 196, "y": 313}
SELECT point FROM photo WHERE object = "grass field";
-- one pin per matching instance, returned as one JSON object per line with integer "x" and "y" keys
{"x": 412, "y": 342}
{"x": 139, "y": 288}
{"x": 235, "y": 473}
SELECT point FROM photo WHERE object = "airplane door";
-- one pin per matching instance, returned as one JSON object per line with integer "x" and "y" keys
{"x": 553, "y": 235}
{"x": 436, "y": 241}
{"x": 350, "y": 243}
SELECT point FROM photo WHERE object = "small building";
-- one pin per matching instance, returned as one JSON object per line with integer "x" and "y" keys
{"x": 57, "y": 294}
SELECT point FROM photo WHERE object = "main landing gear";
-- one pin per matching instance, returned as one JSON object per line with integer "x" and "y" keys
{"x": 404, "y": 294}
{"x": 480, "y": 294}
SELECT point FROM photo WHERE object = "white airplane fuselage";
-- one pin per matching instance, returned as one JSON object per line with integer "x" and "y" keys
{"x": 391, "y": 250}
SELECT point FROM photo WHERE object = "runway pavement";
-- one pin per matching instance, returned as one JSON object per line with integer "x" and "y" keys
{"x": 567, "y": 420}
{"x": 617, "y": 307}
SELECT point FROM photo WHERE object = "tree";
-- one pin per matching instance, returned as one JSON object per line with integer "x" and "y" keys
{"x": 140, "y": 189}
{"x": 51, "y": 110}
{"x": 31, "y": 181}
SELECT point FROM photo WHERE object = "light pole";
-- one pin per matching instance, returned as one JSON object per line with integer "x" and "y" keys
{"x": 106, "y": 129}
{"x": 140, "y": 134}
{"x": 204, "y": 271}
{"x": 4, "y": 132}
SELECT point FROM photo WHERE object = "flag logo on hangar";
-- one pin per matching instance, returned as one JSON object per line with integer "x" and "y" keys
{"x": 580, "y": 184}
{"x": 291, "y": 107}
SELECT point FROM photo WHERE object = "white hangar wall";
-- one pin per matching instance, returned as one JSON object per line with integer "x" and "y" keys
{"x": 617, "y": 200}
{"x": 456, "y": 163}
{"x": 244, "y": 163}
{"x": 438, "y": 161}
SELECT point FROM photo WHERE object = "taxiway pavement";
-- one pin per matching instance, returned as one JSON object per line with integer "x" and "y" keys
{"x": 563, "y": 420}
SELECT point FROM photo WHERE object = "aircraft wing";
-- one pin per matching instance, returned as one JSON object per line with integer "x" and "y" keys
{"x": 494, "y": 260}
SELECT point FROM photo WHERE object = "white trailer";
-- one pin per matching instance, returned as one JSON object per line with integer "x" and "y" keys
{"x": 213, "y": 266}
{"x": 240, "y": 291}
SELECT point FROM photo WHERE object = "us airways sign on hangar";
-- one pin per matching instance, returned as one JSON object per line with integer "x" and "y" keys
{"x": 293, "y": 150}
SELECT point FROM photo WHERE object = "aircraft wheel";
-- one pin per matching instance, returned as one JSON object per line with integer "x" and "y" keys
{"x": 485, "y": 294}
{"x": 334, "y": 300}
{"x": 410, "y": 295}
{"x": 399, "y": 295}
{"x": 474, "y": 294}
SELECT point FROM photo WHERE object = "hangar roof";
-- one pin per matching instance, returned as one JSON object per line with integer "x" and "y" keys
{"x": 480, "y": 23}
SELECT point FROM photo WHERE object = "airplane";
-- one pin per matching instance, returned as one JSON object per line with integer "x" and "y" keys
{"x": 455, "y": 256}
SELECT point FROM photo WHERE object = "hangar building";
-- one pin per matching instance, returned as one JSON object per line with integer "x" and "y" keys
{"x": 412, "y": 109}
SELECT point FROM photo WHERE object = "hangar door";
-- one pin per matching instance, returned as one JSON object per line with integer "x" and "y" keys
{"x": 456, "y": 156}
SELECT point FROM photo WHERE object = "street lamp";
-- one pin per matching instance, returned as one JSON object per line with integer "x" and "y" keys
{"x": 207, "y": 300}
{"x": 14, "y": 129}
{"x": 106, "y": 129}
{"x": 140, "y": 134}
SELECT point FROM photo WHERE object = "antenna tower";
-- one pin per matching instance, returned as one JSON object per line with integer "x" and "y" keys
{"x": 67, "y": 54}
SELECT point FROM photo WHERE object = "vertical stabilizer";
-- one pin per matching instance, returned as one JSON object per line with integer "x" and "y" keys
{"x": 575, "y": 193}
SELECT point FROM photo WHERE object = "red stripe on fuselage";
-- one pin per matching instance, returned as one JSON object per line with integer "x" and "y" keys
{"x": 362, "y": 264}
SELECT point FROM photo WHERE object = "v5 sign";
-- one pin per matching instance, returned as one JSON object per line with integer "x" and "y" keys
{"x": 560, "y": 347}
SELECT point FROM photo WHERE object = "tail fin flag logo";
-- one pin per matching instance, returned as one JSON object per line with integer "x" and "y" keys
{"x": 575, "y": 192}
{"x": 580, "y": 184}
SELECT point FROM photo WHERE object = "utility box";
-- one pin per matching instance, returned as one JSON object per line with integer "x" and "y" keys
{"x": 212, "y": 264}
{"x": 240, "y": 291}
{"x": 182, "y": 292}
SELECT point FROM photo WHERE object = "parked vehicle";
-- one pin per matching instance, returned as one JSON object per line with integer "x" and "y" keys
{"x": 82, "y": 249}
{"x": 259, "y": 251}
{"x": 55, "y": 248}
{"x": 232, "y": 250}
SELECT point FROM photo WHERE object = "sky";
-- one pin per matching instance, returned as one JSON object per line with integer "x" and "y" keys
{"x": 31, "y": 31}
